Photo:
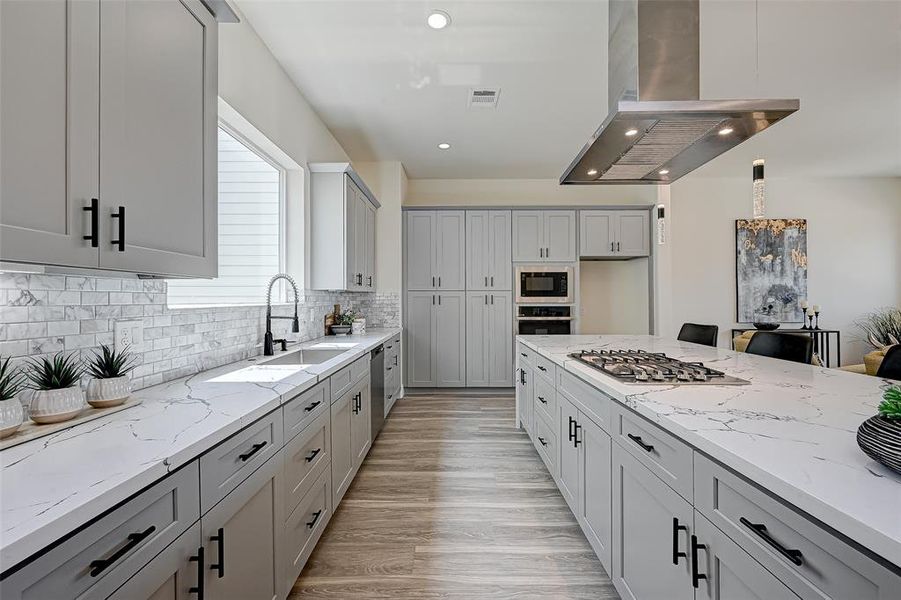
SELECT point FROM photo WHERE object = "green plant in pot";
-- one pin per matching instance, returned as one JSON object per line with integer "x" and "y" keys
{"x": 12, "y": 414}
{"x": 880, "y": 436}
{"x": 343, "y": 323}
{"x": 56, "y": 395}
{"x": 110, "y": 384}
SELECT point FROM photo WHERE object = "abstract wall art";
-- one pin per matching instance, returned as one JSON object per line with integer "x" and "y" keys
{"x": 770, "y": 269}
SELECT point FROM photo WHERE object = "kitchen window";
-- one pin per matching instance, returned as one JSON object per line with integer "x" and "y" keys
{"x": 251, "y": 225}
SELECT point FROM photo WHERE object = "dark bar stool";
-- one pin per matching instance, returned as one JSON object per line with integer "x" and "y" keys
{"x": 786, "y": 346}
{"x": 699, "y": 334}
{"x": 891, "y": 364}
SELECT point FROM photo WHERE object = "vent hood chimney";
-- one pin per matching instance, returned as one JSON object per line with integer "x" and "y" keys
{"x": 658, "y": 129}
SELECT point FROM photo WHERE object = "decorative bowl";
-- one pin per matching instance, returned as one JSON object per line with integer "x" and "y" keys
{"x": 12, "y": 414}
{"x": 766, "y": 326}
{"x": 103, "y": 393}
{"x": 53, "y": 406}
{"x": 340, "y": 329}
{"x": 880, "y": 439}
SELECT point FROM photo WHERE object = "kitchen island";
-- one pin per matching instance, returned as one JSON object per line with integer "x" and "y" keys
{"x": 789, "y": 435}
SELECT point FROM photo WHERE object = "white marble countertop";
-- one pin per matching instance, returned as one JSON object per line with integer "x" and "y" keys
{"x": 792, "y": 431}
{"x": 51, "y": 485}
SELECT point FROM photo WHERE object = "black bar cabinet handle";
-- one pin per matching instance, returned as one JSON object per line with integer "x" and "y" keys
{"x": 201, "y": 574}
{"x": 312, "y": 406}
{"x": 540, "y": 368}
{"x": 637, "y": 439}
{"x": 492, "y": 281}
{"x": 120, "y": 214}
{"x": 94, "y": 209}
{"x": 572, "y": 434}
{"x": 316, "y": 516}
{"x": 133, "y": 539}
{"x": 541, "y": 440}
{"x": 576, "y": 440}
{"x": 542, "y": 400}
{"x": 312, "y": 455}
{"x": 676, "y": 529}
{"x": 793, "y": 556}
{"x": 370, "y": 281}
{"x": 695, "y": 575}
{"x": 220, "y": 565}
{"x": 253, "y": 450}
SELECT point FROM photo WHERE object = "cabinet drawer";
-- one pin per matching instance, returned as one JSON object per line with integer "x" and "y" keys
{"x": 589, "y": 400}
{"x": 779, "y": 538}
{"x": 667, "y": 457}
{"x": 125, "y": 540}
{"x": 546, "y": 368}
{"x": 301, "y": 410}
{"x": 545, "y": 399}
{"x": 545, "y": 441}
{"x": 305, "y": 525}
{"x": 232, "y": 461}
{"x": 342, "y": 380}
{"x": 306, "y": 456}
{"x": 524, "y": 353}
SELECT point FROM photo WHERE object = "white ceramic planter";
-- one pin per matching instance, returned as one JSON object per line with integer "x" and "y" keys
{"x": 12, "y": 414}
{"x": 103, "y": 393}
{"x": 53, "y": 406}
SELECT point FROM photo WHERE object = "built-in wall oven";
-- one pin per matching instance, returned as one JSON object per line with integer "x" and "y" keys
{"x": 544, "y": 320}
{"x": 542, "y": 284}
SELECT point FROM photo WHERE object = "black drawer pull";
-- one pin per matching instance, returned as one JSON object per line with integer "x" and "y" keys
{"x": 219, "y": 566}
{"x": 695, "y": 575}
{"x": 201, "y": 574}
{"x": 676, "y": 529}
{"x": 540, "y": 368}
{"x": 637, "y": 439}
{"x": 253, "y": 450}
{"x": 312, "y": 406}
{"x": 99, "y": 566}
{"x": 793, "y": 556}
{"x": 312, "y": 455}
{"x": 120, "y": 214}
{"x": 542, "y": 400}
{"x": 316, "y": 516}
{"x": 541, "y": 440}
{"x": 94, "y": 209}
{"x": 524, "y": 355}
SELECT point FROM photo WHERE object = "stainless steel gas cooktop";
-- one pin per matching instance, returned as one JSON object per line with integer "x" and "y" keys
{"x": 650, "y": 368}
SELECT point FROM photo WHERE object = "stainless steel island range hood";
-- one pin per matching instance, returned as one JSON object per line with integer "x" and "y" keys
{"x": 658, "y": 129}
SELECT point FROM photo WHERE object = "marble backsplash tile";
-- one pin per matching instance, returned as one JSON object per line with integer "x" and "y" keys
{"x": 45, "y": 314}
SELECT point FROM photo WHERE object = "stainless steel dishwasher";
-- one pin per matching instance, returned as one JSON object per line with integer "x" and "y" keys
{"x": 377, "y": 389}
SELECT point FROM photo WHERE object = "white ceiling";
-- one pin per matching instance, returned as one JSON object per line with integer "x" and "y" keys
{"x": 390, "y": 88}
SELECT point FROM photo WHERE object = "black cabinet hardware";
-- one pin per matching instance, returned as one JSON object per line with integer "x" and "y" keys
{"x": 312, "y": 406}
{"x": 120, "y": 214}
{"x": 439, "y": 299}
{"x": 617, "y": 247}
{"x": 540, "y": 368}
{"x": 542, "y": 400}
{"x": 486, "y": 299}
{"x": 220, "y": 565}
{"x": 395, "y": 361}
{"x": 94, "y": 209}
{"x": 637, "y": 439}
{"x": 370, "y": 281}
{"x": 547, "y": 252}
{"x": 433, "y": 281}
{"x": 492, "y": 281}
{"x": 793, "y": 556}
{"x": 313, "y": 455}
{"x": 133, "y": 539}
{"x": 492, "y": 299}
{"x": 696, "y": 576}
{"x": 439, "y": 281}
{"x": 201, "y": 574}
{"x": 676, "y": 529}
{"x": 576, "y": 440}
{"x": 541, "y": 252}
{"x": 316, "y": 516}
{"x": 389, "y": 368}
{"x": 541, "y": 441}
{"x": 486, "y": 282}
{"x": 524, "y": 355}
{"x": 253, "y": 450}
{"x": 572, "y": 434}
{"x": 357, "y": 403}
{"x": 612, "y": 246}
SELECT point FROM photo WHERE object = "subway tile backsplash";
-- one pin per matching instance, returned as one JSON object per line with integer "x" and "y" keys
{"x": 45, "y": 314}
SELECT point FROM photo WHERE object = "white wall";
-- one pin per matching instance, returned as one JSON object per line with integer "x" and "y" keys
{"x": 853, "y": 245}
{"x": 547, "y": 192}
{"x": 388, "y": 182}
{"x": 614, "y": 296}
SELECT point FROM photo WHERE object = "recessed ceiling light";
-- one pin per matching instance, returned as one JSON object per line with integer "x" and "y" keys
{"x": 663, "y": 171}
{"x": 592, "y": 172}
{"x": 444, "y": 146}
{"x": 438, "y": 19}
{"x": 726, "y": 131}
{"x": 631, "y": 132}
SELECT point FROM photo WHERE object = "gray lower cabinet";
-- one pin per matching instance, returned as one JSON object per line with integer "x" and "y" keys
{"x": 436, "y": 338}
{"x": 342, "y": 450}
{"x": 420, "y": 339}
{"x": 304, "y": 527}
{"x": 489, "y": 339}
{"x": 361, "y": 423}
{"x": 647, "y": 519}
{"x": 172, "y": 575}
{"x": 525, "y": 383}
{"x": 242, "y": 538}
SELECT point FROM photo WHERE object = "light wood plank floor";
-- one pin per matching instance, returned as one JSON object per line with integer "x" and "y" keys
{"x": 453, "y": 502}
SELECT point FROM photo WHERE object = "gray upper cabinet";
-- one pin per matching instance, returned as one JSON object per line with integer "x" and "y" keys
{"x": 101, "y": 82}
{"x": 489, "y": 339}
{"x": 614, "y": 233}
{"x": 436, "y": 250}
{"x": 342, "y": 232}
{"x": 489, "y": 249}
{"x": 544, "y": 235}
{"x": 420, "y": 250}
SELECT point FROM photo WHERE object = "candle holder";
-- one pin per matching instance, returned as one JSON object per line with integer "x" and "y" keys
{"x": 810, "y": 319}
{"x": 817, "y": 317}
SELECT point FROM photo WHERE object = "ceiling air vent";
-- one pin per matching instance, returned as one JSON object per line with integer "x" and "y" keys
{"x": 484, "y": 98}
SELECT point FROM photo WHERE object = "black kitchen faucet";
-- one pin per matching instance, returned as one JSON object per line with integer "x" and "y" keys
{"x": 295, "y": 326}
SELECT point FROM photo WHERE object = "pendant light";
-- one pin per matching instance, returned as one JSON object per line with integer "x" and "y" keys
{"x": 759, "y": 190}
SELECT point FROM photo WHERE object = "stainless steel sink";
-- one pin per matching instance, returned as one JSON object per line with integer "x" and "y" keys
{"x": 308, "y": 356}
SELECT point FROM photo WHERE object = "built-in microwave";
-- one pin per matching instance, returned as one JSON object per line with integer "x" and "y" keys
{"x": 544, "y": 284}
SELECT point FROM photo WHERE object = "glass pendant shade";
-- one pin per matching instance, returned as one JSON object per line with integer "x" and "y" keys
{"x": 759, "y": 190}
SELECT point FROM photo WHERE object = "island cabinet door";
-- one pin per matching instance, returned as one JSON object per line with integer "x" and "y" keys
{"x": 648, "y": 534}
{"x": 568, "y": 473}
{"x": 361, "y": 423}
{"x": 524, "y": 396}
{"x": 172, "y": 575}
{"x": 594, "y": 492}
{"x": 724, "y": 570}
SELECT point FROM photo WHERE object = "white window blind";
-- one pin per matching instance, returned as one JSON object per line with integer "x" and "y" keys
{"x": 250, "y": 226}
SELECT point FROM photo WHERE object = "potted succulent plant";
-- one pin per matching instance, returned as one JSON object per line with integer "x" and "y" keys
{"x": 12, "y": 381}
{"x": 343, "y": 323}
{"x": 880, "y": 436}
{"x": 109, "y": 369}
{"x": 56, "y": 395}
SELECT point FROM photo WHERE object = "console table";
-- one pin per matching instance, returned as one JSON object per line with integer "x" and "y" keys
{"x": 823, "y": 344}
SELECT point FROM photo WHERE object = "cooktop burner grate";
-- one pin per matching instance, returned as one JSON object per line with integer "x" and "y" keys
{"x": 649, "y": 368}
